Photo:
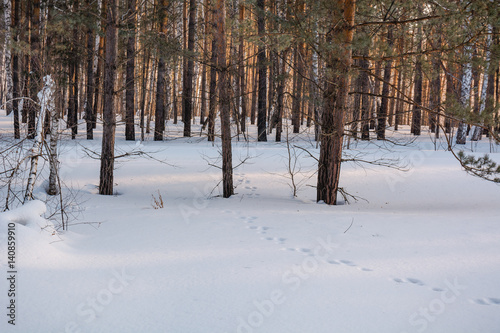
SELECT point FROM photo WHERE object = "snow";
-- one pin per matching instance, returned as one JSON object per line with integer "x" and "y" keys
{"x": 420, "y": 254}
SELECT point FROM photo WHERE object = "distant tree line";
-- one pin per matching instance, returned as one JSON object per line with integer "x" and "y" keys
{"x": 345, "y": 67}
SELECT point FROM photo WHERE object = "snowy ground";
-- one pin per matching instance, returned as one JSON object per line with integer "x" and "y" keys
{"x": 421, "y": 254}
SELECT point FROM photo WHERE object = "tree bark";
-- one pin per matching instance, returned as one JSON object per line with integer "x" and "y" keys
{"x": 160, "y": 81}
{"x": 35, "y": 66}
{"x": 46, "y": 99}
{"x": 241, "y": 67}
{"x": 109, "y": 121}
{"x": 486, "y": 93}
{"x": 417, "y": 94}
{"x": 212, "y": 106}
{"x": 335, "y": 101}
{"x": 72, "y": 116}
{"x": 187, "y": 90}
{"x": 435, "y": 99}
{"x": 15, "y": 69}
{"x": 224, "y": 100}
{"x": 8, "y": 55}
{"x": 384, "y": 105}
{"x": 465, "y": 92}
{"x": 130, "y": 80}
{"x": 262, "y": 68}
{"x": 89, "y": 109}
{"x": 145, "y": 70}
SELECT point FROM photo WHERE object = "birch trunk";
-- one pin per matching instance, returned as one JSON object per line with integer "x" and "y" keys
{"x": 465, "y": 92}
{"x": 47, "y": 102}
{"x": 54, "y": 137}
{"x": 476, "y": 130}
{"x": 8, "y": 59}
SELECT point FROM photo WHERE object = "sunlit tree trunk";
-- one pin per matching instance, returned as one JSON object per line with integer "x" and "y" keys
{"x": 335, "y": 101}
{"x": 160, "y": 79}
{"x": 109, "y": 121}
{"x": 262, "y": 74}
{"x": 187, "y": 90}
{"x": 224, "y": 99}
{"x": 8, "y": 55}
{"x": 384, "y": 104}
{"x": 15, "y": 69}
{"x": 130, "y": 70}
{"x": 465, "y": 92}
{"x": 89, "y": 109}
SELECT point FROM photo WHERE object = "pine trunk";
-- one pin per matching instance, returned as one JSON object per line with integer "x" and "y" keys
{"x": 384, "y": 104}
{"x": 130, "y": 70}
{"x": 187, "y": 90}
{"x": 241, "y": 67}
{"x": 89, "y": 109}
{"x": 160, "y": 81}
{"x": 109, "y": 121}
{"x": 417, "y": 93}
{"x": 212, "y": 105}
{"x": 262, "y": 68}
{"x": 335, "y": 102}
{"x": 224, "y": 99}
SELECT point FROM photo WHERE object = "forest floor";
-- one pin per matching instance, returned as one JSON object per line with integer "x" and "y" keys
{"x": 418, "y": 252}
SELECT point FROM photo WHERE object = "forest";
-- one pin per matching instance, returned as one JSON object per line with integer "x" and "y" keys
{"x": 249, "y": 166}
{"x": 346, "y": 69}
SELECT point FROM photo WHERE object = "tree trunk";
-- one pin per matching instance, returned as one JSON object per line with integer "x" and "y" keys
{"x": 89, "y": 109}
{"x": 130, "y": 80}
{"x": 435, "y": 100}
{"x": 109, "y": 121}
{"x": 15, "y": 68}
{"x": 53, "y": 188}
{"x": 262, "y": 67}
{"x": 187, "y": 89}
{"x": 224, "y": 99}
{"x": 72, "y": 115}
{"x": 35, "y": 66}
{"x": 100, "y": 66}
{"x": 384, "y": 105}
{"x": 145, "y": 70}
{"x": 280, "y": 95}
{"x": 253, "y": 106}
{"x": 364, "y": 88}
{"x": 160, "y": 81}
{"x": 465, "y": 92}
{"x": 335, "y": 101}
{"x": 241, "y": 57}
{"x": 212, "y": 106}
{"x": 486, "y": 93}
{"x": 417, "y": 94}
{"x": 46, "y": 98}
{"x": 8, "y": 56}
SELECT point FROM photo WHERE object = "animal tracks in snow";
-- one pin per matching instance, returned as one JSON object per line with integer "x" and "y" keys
{"x": 486, "y": 301}
{"x": 350, "y": 264}
{"x": 409, "y": 280}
